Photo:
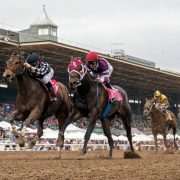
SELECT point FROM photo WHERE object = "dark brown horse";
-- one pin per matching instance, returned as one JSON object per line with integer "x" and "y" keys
{"x": 91, "y": 100}
{"x": 159, "y": 122}
{"x": 32, "y": 100}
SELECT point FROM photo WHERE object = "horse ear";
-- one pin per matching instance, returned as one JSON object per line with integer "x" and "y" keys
{"x": 146, "y": 99}
{"x": 14, "y": 53}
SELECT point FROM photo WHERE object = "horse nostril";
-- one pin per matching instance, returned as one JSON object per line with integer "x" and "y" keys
{"x": 73, "y": 83}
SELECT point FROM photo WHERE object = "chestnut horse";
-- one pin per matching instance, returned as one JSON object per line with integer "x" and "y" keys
{"x": 159, "y": 122}
{"x": 32, "y": 100}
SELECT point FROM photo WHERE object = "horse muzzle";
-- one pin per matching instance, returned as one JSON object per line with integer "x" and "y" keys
{"x": 7, "y": 78}
{"x": 145, "y": 114}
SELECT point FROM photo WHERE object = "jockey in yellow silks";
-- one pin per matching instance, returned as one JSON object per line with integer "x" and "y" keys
{"x": 162, "y": 103}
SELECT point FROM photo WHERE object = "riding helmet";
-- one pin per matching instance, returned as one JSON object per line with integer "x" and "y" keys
{"x": 32, "y": 58}
{"x": 163, "y": 97}
{"x": 157, "y": 93}
{"x": 92, "y": 56}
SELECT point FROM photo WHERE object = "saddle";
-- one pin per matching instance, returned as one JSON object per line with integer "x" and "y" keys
{"x": 114, "y": 94}
{"x": 163, "y": 109}
{"x": 54, "y": 84}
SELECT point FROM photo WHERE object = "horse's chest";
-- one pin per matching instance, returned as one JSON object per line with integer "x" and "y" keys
{"x": 158, "y": 127}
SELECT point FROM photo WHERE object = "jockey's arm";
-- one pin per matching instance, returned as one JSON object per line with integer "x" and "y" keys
{"x": 107, "y": 73}
{"x": 165, "y": 104}
{"x": 27, "y": 65}
{"x": 92, "y": 74}
{"x": 40, "y": 71}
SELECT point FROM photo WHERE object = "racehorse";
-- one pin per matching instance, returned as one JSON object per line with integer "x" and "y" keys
{"x": 32, "y": 100}
{"x": 159, "y": 122}
{"x": 93, "y": 93}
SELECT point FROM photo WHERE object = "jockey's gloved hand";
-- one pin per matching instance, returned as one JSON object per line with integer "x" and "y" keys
{"x": 27, "y": 65}
{"x": 92, "y": 74}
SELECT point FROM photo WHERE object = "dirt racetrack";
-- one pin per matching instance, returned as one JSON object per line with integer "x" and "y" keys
{"x": 94, "y": 165}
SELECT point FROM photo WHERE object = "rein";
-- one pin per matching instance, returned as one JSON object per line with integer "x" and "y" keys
{"x": 97, "y": 94}
{"x": 151, "y": 108}
{"x": 81, "y": 73}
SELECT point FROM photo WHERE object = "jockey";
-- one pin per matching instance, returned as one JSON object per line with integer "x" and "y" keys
{"x": 161, "y": 100}
{"x": 41, "y": 70}
{"x": 162, "y": 103}
{"x": 100, "y": 68}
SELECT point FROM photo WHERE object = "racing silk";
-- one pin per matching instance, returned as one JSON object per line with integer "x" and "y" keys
{"x": 162, "y": 99}
{"x": 103, "y": 71}
{"x": 162, "y": 103}
{"x": 40, "y": 70}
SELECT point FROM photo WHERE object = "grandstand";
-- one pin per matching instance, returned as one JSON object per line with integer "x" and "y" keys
{"x": 137, "y": 76}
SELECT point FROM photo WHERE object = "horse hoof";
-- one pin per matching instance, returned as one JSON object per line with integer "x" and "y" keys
{"x": 110, "y": 157}
{"x": 83, "y": 152}
{"x": 131, "y": 155}
{"x": 169, "y": 151}
{"x": 60, "y": 145}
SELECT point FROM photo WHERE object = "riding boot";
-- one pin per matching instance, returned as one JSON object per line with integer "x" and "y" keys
{"x": 52, "y": 94}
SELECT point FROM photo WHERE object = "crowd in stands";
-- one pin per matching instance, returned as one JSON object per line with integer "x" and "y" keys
{"x": 6, "y": 110}
{"x": 138, "y": 121}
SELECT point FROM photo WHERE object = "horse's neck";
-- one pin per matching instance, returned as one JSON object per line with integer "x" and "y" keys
{"x": 83, "y": 89}
{"x": 88, "y": 84}
{"x": 24, "y": 84}
{"x": 155, "y": 114}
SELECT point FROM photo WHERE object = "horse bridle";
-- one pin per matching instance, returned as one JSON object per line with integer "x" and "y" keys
{"x": 23, "y": 69}
{"x": 81, "y": 73}
{"x": 150, "y": 109}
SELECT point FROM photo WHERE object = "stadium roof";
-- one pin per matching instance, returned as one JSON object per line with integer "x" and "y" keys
{"x": 135, "y": 77}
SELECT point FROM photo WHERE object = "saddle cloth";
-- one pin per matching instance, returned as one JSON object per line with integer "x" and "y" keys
{"x": 55, "y": 86}
{"x": 114, "y": 95}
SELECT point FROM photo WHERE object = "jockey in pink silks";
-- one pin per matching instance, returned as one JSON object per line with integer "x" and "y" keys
{"x": 99, "y": 68}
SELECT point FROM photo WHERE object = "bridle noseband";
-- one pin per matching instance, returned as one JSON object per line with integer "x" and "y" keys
{"x": 81, "y": 74}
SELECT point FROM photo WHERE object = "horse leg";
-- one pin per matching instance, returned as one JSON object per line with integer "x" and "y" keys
{"x": 14, "y": 115}
{"x": 165, "y": 141}
{"x": 63, "y": 123}
{"x": 155, "y": 140}
{"x": 127, "y": 125}
{"x": 35, "y": 114}
{"x": 17, "y": 116}
{"x": 40, "y": 128}
{"x": 88, "y": 132}
{"x": 174, "y": 134}
{"x": 107, "y": 132}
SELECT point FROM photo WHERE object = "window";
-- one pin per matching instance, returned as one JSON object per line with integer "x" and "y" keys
{"x": 53, "y": 32}
{"x": 43, "y": 31}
